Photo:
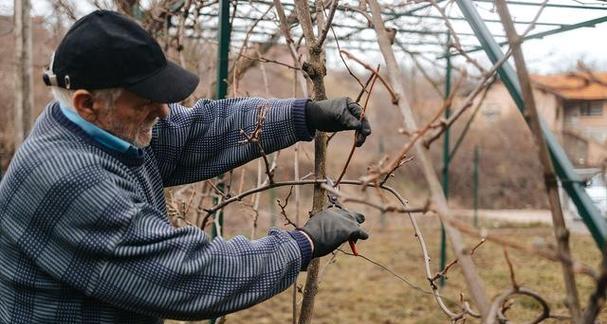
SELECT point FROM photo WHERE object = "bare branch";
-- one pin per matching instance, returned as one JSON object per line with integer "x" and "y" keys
{"x": 548, "y": 254}
{"x": 283, "y": 207}
{"x": 247, "y": 35}
{"x": 473, "y": 280}
{"x": 596, "y": 301}
{"x": 362, "y": 115}
{"x": 316, "y": 70}
{"x": 325, "y": 31}
{"x": 383, "y": 208}
{"x": 305, "y": 21}
{"x": 453, "y": 262}
{"x": 496, "y": 307}
{"x": 255, "y": 138}
{"x": 486, "y": 81}
{"x": 368, "y": 67}
{"x": 267, "y": 60}
{"x": 515, "y": 284}
{"x": 475, "y": 111}
{"x": 550, "y": 179}
{"x": 456, "y": 42}
{"x": 394, "y": 274}
{"x": 446, "y": 104}
{"x": 531, "y": 25}
{"x": 413, "y": 56}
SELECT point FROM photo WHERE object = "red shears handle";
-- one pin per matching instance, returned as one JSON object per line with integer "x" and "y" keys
{"x": 353, "y": 247}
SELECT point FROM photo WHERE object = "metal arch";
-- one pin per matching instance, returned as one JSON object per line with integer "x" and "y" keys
{"x": 550, "y": 5}
{"x": 564, "y": 28}
{"x": 414, "y": 13}
{"x": 563, "y": 166}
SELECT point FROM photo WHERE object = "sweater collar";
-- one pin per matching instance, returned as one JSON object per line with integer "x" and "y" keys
{"x": 132, "y": 157}
{"x": 100, "y": 135}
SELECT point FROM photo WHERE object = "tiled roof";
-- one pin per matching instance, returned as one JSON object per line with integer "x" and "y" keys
{"x": 575, "y": 85}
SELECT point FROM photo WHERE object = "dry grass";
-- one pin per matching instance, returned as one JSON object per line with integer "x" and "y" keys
{"x": 355, "y": 291}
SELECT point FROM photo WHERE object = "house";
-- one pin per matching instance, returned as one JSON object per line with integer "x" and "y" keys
{"x": 573, "y": 105}
{"x": 581, "y": 114}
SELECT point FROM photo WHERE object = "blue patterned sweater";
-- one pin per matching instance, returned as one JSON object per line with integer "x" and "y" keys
{"x": 84, "y": 235}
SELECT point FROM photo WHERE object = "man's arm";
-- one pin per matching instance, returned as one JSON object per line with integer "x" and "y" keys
{"x": 91, "y": 229}
{"x": 206, "y": 140}
{"x": 102, "y": 239}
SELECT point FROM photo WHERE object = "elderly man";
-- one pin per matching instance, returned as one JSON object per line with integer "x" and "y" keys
{"x": 84, "y": 234}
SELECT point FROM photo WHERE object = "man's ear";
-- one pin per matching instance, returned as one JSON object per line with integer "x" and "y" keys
{"x": 84, "y": 104}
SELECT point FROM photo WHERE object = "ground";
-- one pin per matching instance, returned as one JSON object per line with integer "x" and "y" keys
{"x": 356, "y": 291}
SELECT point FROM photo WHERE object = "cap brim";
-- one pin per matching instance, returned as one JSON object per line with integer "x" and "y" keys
{"x": 171, "y": 84}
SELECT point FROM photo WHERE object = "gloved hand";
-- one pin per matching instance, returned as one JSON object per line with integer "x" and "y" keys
{"x": 332, "y": 227}
{"x": 336, "y": 115}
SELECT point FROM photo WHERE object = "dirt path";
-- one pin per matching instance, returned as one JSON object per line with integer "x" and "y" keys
{"x": 527, "y": 216}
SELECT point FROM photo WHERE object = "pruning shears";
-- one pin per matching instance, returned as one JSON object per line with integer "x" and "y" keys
{"x": 334, "y": 202}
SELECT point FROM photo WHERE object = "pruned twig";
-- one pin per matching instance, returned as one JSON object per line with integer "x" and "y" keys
{"x": 596, "y": 301}
{"x": 497, "y": 305}
{"x": 283, "y": 207}
{"x": 453, "y": 262}
{"x": 372, "y": 70}
{"x": 255, "y": 138}
{"x": 362, "y": 116}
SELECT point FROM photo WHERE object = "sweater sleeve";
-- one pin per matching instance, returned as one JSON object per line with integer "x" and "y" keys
{"x": 103, "y": 240}
{"x": 201, "y": 142}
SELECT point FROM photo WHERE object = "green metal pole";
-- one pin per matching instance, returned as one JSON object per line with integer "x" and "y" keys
{"x": 477, "y": 158}
{"x": 571, "y": 181}
{"x": 446, "y": 151}
{"x": 223, "y": 50}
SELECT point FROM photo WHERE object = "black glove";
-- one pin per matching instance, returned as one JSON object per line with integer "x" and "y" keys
{"x": 332, "y": 227}
{"x": 336, "y": 115}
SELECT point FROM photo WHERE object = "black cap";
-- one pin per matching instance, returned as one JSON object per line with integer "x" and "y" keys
{"x": 105, "y": 49}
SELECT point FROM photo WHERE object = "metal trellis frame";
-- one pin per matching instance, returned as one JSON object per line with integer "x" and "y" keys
{"x": 428, "y": 40}
{"x": 421, "y": 39}
{"x": 569, "y": 179}
{"x": 350, "y": 29}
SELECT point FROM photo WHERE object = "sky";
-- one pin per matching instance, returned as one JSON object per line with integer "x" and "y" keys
{"x": 557, "y": 51}
{"x": 551, "y": 54}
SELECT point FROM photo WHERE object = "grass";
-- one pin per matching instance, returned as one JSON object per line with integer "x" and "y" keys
{"x": 354, "y": 291}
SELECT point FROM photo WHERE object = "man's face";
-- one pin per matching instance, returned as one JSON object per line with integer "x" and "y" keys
{"x": 132, "y": 118}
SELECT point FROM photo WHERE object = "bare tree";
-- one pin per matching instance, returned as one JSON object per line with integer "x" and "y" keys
{"x": 316, "y": 70}
{"x": 24, "y": 84}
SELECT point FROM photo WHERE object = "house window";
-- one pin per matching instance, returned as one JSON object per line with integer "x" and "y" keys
{"x": 491, "y": 110}
{"x": 591, "y": 108}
